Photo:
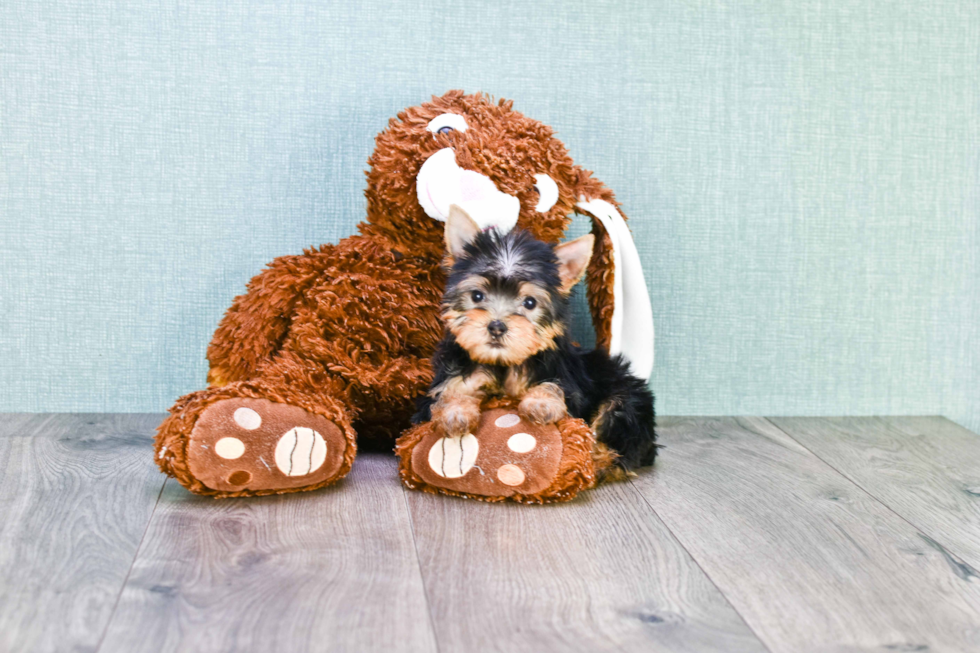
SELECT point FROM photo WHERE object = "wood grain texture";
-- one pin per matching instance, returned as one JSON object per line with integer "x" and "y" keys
{"x": 76, "y": 494}
{"x": 927, "y": 469}
{"x": 330, "y": 570}
{"x": 810, "y": 560}
{"x": 600, "y": 573}
{"x": 18, "y": 423}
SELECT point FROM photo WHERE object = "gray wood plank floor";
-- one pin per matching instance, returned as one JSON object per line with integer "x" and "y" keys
{"x": 601, "y": 573}
{"x": 809, "y": 559}
{"x": 76, "y": 494}
{"x": 796, "y": 534}
{"x": 927, "y": 469}
{"x": 331, "y": 570}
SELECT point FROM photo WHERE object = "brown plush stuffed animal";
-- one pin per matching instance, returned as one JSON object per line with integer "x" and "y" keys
{"x": 513, "y": 461}
{"x": 334, "y": 344}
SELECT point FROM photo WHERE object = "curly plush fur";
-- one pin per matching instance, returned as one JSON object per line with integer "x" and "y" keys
{"x": 347, "y": 331}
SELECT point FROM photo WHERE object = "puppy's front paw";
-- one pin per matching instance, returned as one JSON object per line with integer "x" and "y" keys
{"x": 543, "y": 404}
{"x": 542, "y": 410}
{"x": 456, "y": 418}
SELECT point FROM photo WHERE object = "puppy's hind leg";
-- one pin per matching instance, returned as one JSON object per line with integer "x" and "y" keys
{"x": 625, "y": 424}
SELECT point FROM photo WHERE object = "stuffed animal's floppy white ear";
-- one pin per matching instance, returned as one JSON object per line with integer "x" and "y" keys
{"x": 632, "y": 319}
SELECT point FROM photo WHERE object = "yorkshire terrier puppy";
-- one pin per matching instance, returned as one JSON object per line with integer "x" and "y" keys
{"x": 506, "y": 313}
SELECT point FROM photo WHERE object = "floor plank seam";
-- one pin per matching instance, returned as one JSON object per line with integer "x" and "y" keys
{"x": 920, "y": 531}
{"x": 136, "y": 555}
{"x": 698, "y": 564}
{"x": 418, "y": 562}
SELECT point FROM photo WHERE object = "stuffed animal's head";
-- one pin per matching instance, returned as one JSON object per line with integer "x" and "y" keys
{"x": 500, "y": 166}
{"x": 504, "y": 169}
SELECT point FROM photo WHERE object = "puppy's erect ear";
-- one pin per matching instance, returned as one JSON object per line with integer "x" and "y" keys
{"x": 573, "y": 259}
{"x": 461, "y": 229}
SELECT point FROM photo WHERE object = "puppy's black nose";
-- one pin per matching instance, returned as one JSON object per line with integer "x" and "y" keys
{"x": 497, "y": 328}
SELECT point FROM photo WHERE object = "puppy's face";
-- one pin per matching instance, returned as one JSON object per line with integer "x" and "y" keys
{"x": 501, "y": 321}
{"x": 507, "y": 295}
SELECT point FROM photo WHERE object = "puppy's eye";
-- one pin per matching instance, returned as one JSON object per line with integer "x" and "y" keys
{"x": 529, "y": 303}
{"x": 547, "y": 193}
{"x": 446, "y": 123}
{"x": 477, "y": 296}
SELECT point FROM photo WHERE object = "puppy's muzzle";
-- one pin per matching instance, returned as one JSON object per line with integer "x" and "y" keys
{"x": 497, "y": 329}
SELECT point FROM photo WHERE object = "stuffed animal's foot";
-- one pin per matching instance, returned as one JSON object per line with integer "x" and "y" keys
{"x": 254, "y": 444}
{"x": 246, "y": 446}
{"x": 505, "y": 457}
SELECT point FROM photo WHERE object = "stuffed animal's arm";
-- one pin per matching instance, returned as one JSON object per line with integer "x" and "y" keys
{"x": 599, "y": 281}
{"x": 256, "y": 324}
{"x": 600, "y": 275}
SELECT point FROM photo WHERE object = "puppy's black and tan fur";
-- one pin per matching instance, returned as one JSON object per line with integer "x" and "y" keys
{"x": 506, "y": 312}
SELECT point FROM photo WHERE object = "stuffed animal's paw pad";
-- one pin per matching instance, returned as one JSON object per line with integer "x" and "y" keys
{"x": 255, "y": 444}
{"x": 453, "y": 457}
{"x": 506, "y": 454}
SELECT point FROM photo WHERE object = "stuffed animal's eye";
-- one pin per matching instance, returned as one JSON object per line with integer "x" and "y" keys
{"x": 547, "y": 193}
{"x": 477, "y": 296}
{"x": 530, "y": 302}
{"x": 446, "y": 123}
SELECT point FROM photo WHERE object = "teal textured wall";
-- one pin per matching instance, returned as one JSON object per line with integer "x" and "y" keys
{"x": 803, "y": 179}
